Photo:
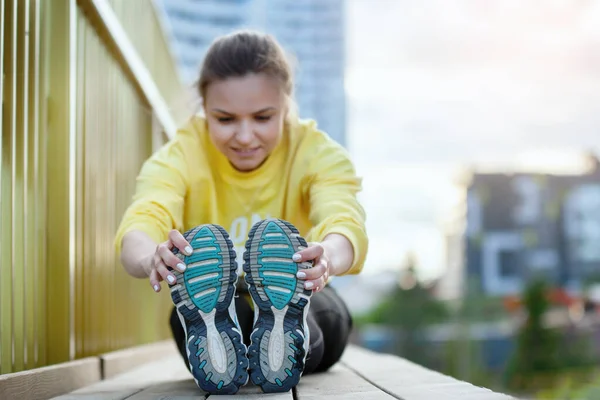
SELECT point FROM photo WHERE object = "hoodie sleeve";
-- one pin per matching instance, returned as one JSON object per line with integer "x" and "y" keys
{"x": 158, "y": 202}
{"x": 331, "y": 188}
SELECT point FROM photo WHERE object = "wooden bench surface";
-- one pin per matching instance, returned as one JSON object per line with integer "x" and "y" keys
{"x": 361, "y": 374}
{"x": 42, "y": 383}
{"x": 117, "y": 362}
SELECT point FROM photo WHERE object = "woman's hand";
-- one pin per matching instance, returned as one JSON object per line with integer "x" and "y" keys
{"x": 163, "y": 257}
{"x": 332, "y": 256}
{"x": 316, "y": 277}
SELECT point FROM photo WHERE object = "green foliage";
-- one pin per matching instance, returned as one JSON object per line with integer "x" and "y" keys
{"x": 463, "y": 355}
{"x": 574, "y": 385}
{"x": 479, "y": 307}
{"x": 541, "y": 359}
{"x": 537, "y": 347}
{"x": 462, "y": 360}
{"x": 409, "y": 308}
{"x": 556, "y": 361}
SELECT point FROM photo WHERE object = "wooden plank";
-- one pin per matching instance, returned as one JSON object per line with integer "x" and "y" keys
{"x": 184, "y": 389}
{"x": 166, "y": 378}
{"x": 47, "y": 382}
{"x": 253, "y": 392}
{"x": 163, "y": 378}
{"x": 337, "y": 383}
{"x": 117, "y": 362}
{"x": 408, "y": 381}
{"x": 99, "y": 395}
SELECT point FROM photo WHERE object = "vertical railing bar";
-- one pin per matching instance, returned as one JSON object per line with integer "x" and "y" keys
{"x": 40, "y": 191}
{"x": 2, "y": 11}
{"x": 59, "y": 165}
{"x": 109, "y": 268}
{"x": 88, "y": 183}
{"x": 13, "y": 133}
{"x": 2, "y": 15}
{"x": 34, "y": 126}
{"x": 72, "y": 167}
{"x": 25, "y": 135}
{"x": 81, "y": 101}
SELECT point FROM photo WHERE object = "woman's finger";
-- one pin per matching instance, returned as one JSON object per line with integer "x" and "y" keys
{"x": 154, "y": 280}
{"x": 170, "y": 259}
{"x": 310, "y": 253}
{"x": 315, "y": 284}
{"x": 179, "y": 241}
{"x": 162, "y": 270}
{"x": 315, "y": 272}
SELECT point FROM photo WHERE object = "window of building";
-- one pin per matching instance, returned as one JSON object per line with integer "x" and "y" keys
{"x": 508, "y": 263}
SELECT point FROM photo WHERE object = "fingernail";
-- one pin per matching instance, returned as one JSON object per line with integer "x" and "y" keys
{"x": 181, "y": 267}
{"x": 296, "y": 257}
{"x": 301, "y": 275}
{"x": 308, "y": 285}
{"x": 170, "y": 278}
{"x": 189, "y": 250}
{"x": 156, "y": 287}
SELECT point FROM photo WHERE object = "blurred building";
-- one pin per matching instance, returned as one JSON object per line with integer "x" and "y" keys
{"x": 311, "y": 30}
{"x": 518, "y": 226}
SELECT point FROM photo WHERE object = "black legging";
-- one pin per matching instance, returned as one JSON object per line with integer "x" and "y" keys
{"x": 329, "y": 323}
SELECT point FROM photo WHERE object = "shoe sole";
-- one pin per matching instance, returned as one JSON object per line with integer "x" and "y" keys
{"x": 277, "y": 351}
{"x": 202, "y": 295}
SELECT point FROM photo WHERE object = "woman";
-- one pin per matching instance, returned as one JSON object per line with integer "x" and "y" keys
{"x": 249, "y": 165}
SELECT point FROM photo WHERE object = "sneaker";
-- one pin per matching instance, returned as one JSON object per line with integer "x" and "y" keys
{"x": 204, "y": 298}
{"x": 279, "y": 341}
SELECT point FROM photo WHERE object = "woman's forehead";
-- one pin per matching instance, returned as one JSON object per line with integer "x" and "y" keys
{"x": 247, "y": 94}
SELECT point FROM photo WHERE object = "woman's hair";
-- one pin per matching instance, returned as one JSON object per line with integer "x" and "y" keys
{"x": 244, "y": 52}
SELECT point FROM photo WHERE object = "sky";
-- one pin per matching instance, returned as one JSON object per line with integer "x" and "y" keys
{"x": 436, "y": 87}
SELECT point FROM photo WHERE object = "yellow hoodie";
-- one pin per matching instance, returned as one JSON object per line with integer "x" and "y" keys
{"x": 308, "y": 180}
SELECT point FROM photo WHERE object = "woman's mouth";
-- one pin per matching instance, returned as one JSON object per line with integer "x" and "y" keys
{"x": 246, "y": 152}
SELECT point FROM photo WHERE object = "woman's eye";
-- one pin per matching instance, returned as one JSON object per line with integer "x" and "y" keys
{"x": 263, "y": 118}
{"x": 225, "y": 119}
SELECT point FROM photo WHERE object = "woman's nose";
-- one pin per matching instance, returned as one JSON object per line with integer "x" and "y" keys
{"x": 245, "y": 134}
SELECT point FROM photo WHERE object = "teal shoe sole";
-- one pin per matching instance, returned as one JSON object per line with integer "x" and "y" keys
{"x": 202, "y": 296}
{"x": 279, "y": 341}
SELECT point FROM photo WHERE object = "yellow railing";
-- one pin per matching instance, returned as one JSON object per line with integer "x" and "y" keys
{"x": 143, "y": 27}
{"x": 84, "y": 102}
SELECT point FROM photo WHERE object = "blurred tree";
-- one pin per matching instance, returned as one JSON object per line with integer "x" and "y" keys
{"x": 409, "y": 308}
{"x": 536, "y": 352}
{"x": 464, "y": 353}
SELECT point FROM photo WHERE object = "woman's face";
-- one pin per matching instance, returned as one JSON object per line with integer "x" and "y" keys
{"x": 245, "y": 118}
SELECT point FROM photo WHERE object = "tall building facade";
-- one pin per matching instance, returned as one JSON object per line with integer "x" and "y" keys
{"x": 312, "y": 31}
